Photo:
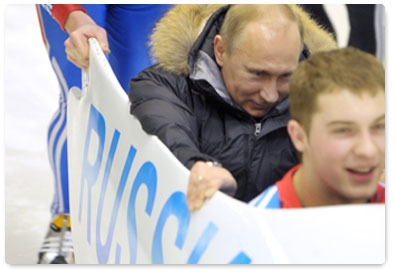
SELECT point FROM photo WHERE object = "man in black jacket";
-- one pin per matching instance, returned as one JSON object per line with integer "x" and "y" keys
{"x": 218, "y": 98}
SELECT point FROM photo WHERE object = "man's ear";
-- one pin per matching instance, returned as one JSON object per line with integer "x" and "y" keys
{"x": 219, "y": 50}
{"x": 297, "y": 134}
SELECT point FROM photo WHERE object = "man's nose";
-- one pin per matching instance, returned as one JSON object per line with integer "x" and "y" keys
{"x": 269, "y": 92}
{"x": 365, "y": 146}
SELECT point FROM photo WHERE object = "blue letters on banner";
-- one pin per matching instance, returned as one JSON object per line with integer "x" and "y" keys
{"x": 175, "y": 205}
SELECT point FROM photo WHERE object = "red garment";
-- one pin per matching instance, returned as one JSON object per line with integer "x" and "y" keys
{"x": 61, "y": 12}
{"x": 289, "y": 198}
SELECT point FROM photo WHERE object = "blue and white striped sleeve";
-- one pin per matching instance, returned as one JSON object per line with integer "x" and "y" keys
{"x": 269, "y": 199}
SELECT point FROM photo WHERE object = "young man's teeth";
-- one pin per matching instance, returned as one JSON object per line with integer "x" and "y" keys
{"x": 362, "y": 170}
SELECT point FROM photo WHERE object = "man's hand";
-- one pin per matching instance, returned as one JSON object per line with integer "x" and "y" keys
{"x": 80, "y": 28}
{"x": 204, "y": 180}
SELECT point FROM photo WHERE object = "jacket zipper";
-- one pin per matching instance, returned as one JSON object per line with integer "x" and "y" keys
{"x": 258, "y": 126}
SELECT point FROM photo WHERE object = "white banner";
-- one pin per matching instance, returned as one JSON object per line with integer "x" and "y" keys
{"x": 127, "y": 194}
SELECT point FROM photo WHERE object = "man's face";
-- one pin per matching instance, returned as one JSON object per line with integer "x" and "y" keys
{"x": 257, "y": 72}
{"x": 345, "y": 149}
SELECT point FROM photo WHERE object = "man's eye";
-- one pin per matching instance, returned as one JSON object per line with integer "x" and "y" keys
{"x": 379, "y": 127}
{"x": 342, "y": 131}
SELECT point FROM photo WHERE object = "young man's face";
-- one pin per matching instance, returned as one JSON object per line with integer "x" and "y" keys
{"x": 345, "y": 148}
{"x": 257, "y": 72}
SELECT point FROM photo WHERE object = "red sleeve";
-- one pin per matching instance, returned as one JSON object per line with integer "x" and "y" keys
{"x": 61, "y": 12}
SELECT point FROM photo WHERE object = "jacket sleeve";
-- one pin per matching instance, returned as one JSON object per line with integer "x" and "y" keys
{"x": 164, "y": 106}
{"x": 60, "y": 12}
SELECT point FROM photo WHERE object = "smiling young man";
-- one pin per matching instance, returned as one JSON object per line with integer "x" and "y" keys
{"x": 337, "y": 104}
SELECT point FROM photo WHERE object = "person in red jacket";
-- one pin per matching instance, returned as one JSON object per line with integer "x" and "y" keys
{"x": 123, "y": 32}
{"x": 337, "y": 105}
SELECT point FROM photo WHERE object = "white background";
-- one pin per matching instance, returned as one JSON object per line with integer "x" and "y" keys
{"x": 30, "y": 99}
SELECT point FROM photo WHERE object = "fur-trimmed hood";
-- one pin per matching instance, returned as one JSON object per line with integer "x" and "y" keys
{"x": 185, "y": 29}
